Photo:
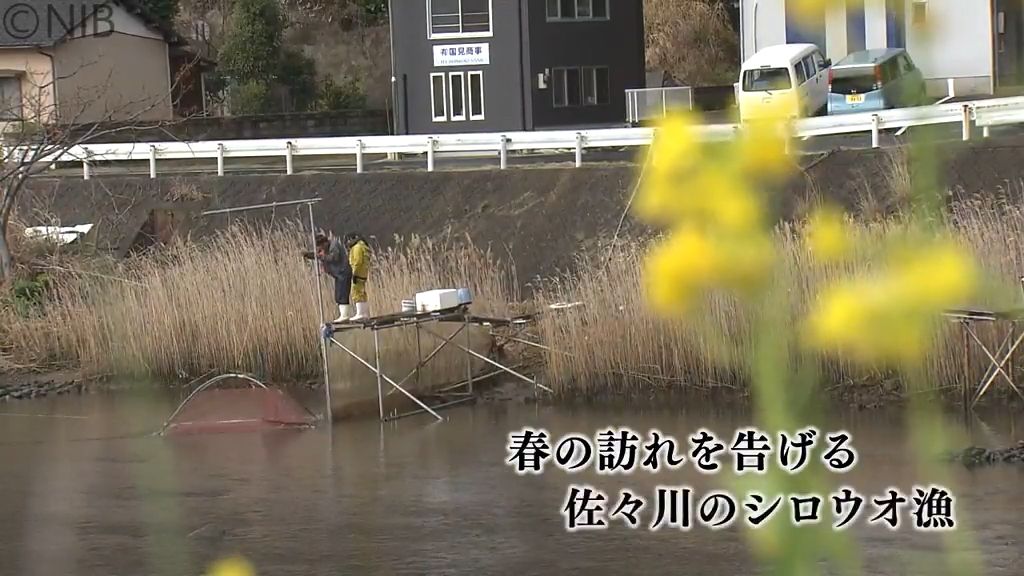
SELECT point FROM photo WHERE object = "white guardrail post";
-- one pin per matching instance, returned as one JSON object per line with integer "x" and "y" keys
{"x": 86, "y": 169}
{"x": 152, "y": 162}
{"x": 579, "y": 149}
{"x": 220, "y": 159}
{"x": 430, "y": 154}
{"x": 289, "y": 163}
{"x": 359, "y": 156}
{"x": 876, "y": 135}
{"x": 503, "y": 152}
{"x": 967, "y": 121}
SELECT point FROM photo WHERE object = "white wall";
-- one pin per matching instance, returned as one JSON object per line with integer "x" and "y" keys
{"x": 764, "y": 24}
{"x": 835, "y": 30}
{"x": 957, "y": 43}
{"x": 874, "y": 24}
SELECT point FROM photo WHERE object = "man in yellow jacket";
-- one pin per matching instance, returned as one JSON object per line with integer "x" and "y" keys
{"x": 359, "y": 260}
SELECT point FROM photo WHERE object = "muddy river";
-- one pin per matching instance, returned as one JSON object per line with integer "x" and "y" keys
{"x": 85, "y": 488}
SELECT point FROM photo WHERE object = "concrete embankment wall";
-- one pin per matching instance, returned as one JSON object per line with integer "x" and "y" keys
{"x": 541, "y": 216}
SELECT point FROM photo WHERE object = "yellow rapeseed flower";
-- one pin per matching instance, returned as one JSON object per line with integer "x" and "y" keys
{"x": 235, "y": 566}
{"x": 890, "y": 316}
{"x": 679, "y": 268}
{"x": 827, "y": 235}
{"x": 761, "y": 150}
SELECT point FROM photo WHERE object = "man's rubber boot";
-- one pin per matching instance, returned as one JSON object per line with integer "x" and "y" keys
{"x": 346, "y": 313}
{"x": 362, "y": 312}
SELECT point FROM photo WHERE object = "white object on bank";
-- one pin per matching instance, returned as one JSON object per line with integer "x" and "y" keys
{"x": 60, "y": 234}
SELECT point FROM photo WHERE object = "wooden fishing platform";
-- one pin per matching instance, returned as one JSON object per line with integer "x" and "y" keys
{"x": 1001, "y": 362}
{"x": 420, "y": 322}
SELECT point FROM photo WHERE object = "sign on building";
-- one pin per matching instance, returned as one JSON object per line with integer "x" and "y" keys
{"x": 461, "y": 55}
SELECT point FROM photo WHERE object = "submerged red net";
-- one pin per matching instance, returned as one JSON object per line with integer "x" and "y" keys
{"x": 233, "y": 410}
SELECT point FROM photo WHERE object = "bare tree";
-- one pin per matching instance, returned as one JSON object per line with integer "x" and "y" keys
{"x": 38, "y": 132}
{"x": 691, "y": 39}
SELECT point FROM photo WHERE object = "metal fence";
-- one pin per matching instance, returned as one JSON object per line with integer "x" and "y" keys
{"x": 653, "y": 103}
{"x": 980, "y": 113}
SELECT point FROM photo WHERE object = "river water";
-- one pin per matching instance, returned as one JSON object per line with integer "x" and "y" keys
{"x": 85, "y": 488}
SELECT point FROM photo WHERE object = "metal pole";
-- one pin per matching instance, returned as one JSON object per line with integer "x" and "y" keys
{"x": 220, "y": 159}
{"x": 503, "y": 152}
{"x": 967, "y": 366}
{"x": 951, "y": 87}
{"x": 469, "y": 360}
{"x": 359, "y": 157}
{"x": 967, "y": 122}
{"x": 875, "y": 131}
{"x": 986, "y": 132}
{"x": 419, "y": 356}
{"x": 289, "y": 165}
{"x": 579, "y": 149}
{"x": 320, "y": 306}
{"x": 369, "y": 366}
{"x": 380, "y": 387}
{"x": 430, "y": 154}
{"x": 152, "y": 161}
{"x": 86, "y": 172}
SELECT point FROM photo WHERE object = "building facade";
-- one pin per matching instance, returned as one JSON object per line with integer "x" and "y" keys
{"x": 508, "y": 65}
{"x": 976, "y": 43}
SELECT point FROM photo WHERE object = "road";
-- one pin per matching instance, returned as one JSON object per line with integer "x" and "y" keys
{"x": 309, "y": 164}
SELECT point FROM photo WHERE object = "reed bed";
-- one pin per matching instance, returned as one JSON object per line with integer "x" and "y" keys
{"x": 244, "y": 301}
{"x": 614, "y": 345}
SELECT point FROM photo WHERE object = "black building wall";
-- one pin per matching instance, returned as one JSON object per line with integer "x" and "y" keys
{"x": 617, "y": 43}
{"x": 413, "y": 54}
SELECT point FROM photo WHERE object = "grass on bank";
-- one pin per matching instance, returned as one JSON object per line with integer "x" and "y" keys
{"x": 244, "y": 301}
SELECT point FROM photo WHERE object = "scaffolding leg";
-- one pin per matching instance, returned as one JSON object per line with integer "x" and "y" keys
{"x": 493, "y": 363}
{"x": 377, "y": 371}
{"x": 419, "y": 356}
{"x": 380, "y": 388}
{"x": 425, "y": 361}
{"x": 469, "y": 359}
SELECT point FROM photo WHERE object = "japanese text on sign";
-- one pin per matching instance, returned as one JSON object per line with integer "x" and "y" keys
{"x": 462, "y": 55}
{"x": 623, "y": 451}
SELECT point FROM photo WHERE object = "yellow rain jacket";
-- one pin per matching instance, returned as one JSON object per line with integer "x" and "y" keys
{"x": 359, "y": 259}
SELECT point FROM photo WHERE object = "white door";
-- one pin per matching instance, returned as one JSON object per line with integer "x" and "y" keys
{"x": 819, "y": 62}
{"x": 801, "y": 87}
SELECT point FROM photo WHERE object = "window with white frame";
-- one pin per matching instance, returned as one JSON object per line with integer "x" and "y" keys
{"x": 438, "y": 97}
{"x": 577, "y": 9}
{"x": 458, "y": 18}
{"x": 476, "y": 95}
{"x": 586, "y": 86}
{"x": 457, "y": 96}
{"x": 11, "y": 105}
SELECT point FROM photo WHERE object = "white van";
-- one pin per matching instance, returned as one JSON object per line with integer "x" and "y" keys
{"x": 787, "y": 79}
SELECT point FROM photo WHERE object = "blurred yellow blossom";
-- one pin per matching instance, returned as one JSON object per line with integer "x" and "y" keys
{"x": 761, "y": 150}
{"x": 827, "y": 235}
{"x": 890, "y": 316}
{"x": 235, "y": 566}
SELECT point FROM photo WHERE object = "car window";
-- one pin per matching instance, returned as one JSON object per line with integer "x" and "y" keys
{"x": 906, "y": 64}
{"x": 801, "y": 73}
{"x": 763, "y": 79}
{"x": 819, "y": 60}
{"x": 809, "y": 66}
{"x": 892, "y": 70}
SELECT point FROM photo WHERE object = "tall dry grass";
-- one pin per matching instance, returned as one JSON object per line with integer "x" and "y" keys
{"x": 246, "y": 301}
{"x": 612, "y": 344}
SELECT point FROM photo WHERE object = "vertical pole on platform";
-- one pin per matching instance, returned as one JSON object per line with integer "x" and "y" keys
{"x": 380, "y": 386}
{"x": 469, "y": 359}
{"x": 579, "y": 149}
{"x": 967, "y": 122}
{"x": 220, "y": 162}
{"x": 503, "y": 152}
{"x": 152, "y": 162}
{"x": 419, "y": 356}
{"x": 359, "y": 157}
{"x": 430, "y": 154}
{"x": 876, "y": 136}
{"x": 320, "y": 307}
{"x": 289, "y": 164}
{"x": 966, "y": 390}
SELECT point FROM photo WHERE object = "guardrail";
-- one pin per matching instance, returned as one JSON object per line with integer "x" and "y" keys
{"x": 984, "y": 113}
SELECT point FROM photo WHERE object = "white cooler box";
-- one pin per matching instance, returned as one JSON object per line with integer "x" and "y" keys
{"x": 435, "y": 300}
